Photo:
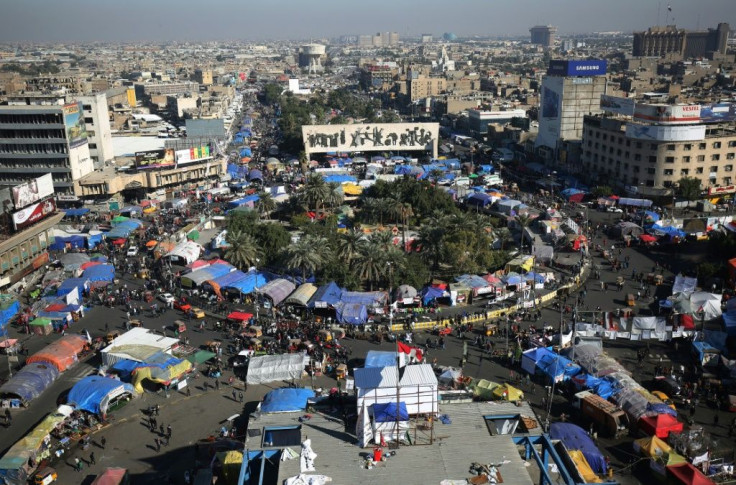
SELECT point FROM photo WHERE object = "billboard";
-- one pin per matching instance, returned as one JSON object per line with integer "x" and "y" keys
{"x": 550, "y": 103}
{"x": 595, "y": 67}
{"x": 163, "y": 158}
{"x": 76, "y": 130}
{"x": 719, "y": 112}
{"x": 192, "y": 155}
{"x": 33, "y": 213}
{"x": 667, "y": 114}
{"x": 618, "y": 105}
{"x": 33, "y": 191}
{"x": 665, "y": 132}
{"x": 370, "y": 137}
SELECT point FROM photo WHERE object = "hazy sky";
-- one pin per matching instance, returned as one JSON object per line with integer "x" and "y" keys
{"x": 131, "y": 20}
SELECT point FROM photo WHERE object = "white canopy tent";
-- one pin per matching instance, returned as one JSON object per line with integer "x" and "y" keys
{"x": 270, "y": 368}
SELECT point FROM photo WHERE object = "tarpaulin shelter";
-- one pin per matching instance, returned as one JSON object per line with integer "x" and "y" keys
{"x": 160, "y": 374}
{"x": 286, "y": 400}
{"x": 277, "y": 290}
{"x": 240, "y": 316}
{"x": 326, "y": 296}
{"x": 670, "y": 231}
{"x": 706, "y": 305}
{"x": 9, "y": 308}
{"x": 245, "y": 285}
{"x": 186, "y": 252}
{"x": 263, "y": 369}
{"x": 301, "y": 295}
{"x": 650, "y": 217}
{"x": 660, "y": 425}
{"x": 139, "y": 344}
{"x": 647, "y": 239}
{"x": 625, "y": 228}
{"x": 405, "y": 292}
{"x": 68, "y": 242}
{"x": 651, "y": 446}
{"x": 687, "y": 474}
{"x": 479, "y": 199}
{"x": 380, "y": 358}
{"x": 72, "y": 261}
{"x": 370, "y": 299}
{"x": 684, "y": 284}
{"x": 70, "y": 284}
{"x": 94, "y": 394}
{"x": 211, "y": 272}
{"x": 575, "y": 438}
{"x": 124, "y": 229}
{"x": 385, "y": 417}
{"x": 483, "y": 389}
{"x": 635, "y": 202}
{"x": 520, "y": 264}
{"x": 583, "y": 467}
{"x": 351, "y": 313}
{"x": 706, "y": 354}
{"x": 101, "y": 273}
{"x": 62, "y": 354}
{"x": 29, "y": 382}
{"x": 557, "y": 368}
{"x": 430, "y": 293}
{"x": 76, "y": 212}
{"x": 507, "y": 392}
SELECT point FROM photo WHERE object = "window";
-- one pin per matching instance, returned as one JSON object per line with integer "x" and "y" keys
{"x": 732, "y": 144}
{"x": 701, "y": 146}
{"x": 628, "y": 143}
{"x": 626, "y": 154}
{"x": 605, "y": 137}
{"x": 728, "y": 168}
{"x": 638, "y": 144}
{"x": 686, "y": 159}
{"x": 89, "y": 121}
{"x": 716, "y": 144}
{"x": 726, "y": 180}
{"x": 650, "y": 183}
{"x": 670, "y": 146}
{"x": 685, "y": 171}
{"x": 87, "y": 107}
{"x": 669, "y": 160}
{"x": 715, "y": 157}
{"x": 688, "y": 146}
{"x": 637, "y": 157}
{"x": 620, "y": 140}
{"x": 636, "y": 169}
{"x": 652, "y": 146}
{"x": 701, "y": 158}
{"x": 667, "y": 183}
{"x": 699, "y": 170}
{"x": 93, "y": 146}
{"x": 651, "y": 171}
{"x": 652, "y": 158}
{"x": 730, "y": 156}
{"x": 669, "y": 171}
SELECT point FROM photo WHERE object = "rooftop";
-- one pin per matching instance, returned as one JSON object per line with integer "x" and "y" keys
{"x": 456, "y": 446}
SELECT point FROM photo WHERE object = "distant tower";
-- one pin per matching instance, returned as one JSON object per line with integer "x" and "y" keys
{"x": 310, "y": 57}
{"x": 543, "y": 35}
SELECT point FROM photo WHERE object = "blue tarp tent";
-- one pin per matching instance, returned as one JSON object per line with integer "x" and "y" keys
{"x": 72, "y": 242}
{"x": 430, "y": 293}
{"x": 479, "y": 199}
{"x": 351, "y": 313}
{"x": 286, "y": 400}
{"x": 337, "y": 178}
{"x": 380, "y": 358}
{"x": 75, "y": 212}
{"x": 729, "y": 322}
{"x": 100, "y": 272}
{"x": 255, "y": 175}
{"x": 650, "y": 217}
{"x": 249, "y": 200}
{"x": 246, "y": 285}
{"x": 635, "y": 202}
{"x": 667, "y": 231}
{"x": 7, "y": 314}
{"x": 207, "y": 273}
{"x": 68, "y": 285}
{"x": 556, "y": 367}
{"x": 326, "y": 296}
{"x": 367, "y": 298}
{"x": 575, "y": 438}
{"x": 94, "y": 393}
{"x": 123, "y": 229}
{"x": 93, "y": 240}
{"x": 29, "y": 382}
{"x": 228, "y": 279}
{"x": 124, "y": 368}
{"x": 387, "y": 412}
{"x": 486, "y": 168}
{"x": 661, "y": 408}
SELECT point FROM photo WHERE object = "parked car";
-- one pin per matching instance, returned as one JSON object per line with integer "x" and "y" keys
{"x": 167, "y": 298}
{"x": 616, "y": 210}
{"x": 132, "y": 251}
{"x": 197, "y": 312}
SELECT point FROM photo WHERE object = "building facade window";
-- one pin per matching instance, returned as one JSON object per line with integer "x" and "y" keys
{"x": 686, "y": 159}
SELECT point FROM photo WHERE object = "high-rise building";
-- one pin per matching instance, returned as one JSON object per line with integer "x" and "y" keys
{"x": 203, "y": 77}
{"x": 365, "y": 40}
{"x": 97, "y": 122}
{"x": 426, "y": 38}
{"x": 659, "y": 41}
{"x": 543, "y": 35}
{"x": 44, "y": 139}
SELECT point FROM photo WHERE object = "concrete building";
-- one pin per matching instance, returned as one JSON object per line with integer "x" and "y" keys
{"x": 543, "y": 35}
{"x": 479, "y": 120}
{"x": 311, "y": 56}
{"x": 168, "y": 89}
{"x": 644, "y": 155}
{"x": 204, "y": 78}
{"x": 36, "y": 140}
{"x": 25, "y": 251}
{"x": 565, "y": 100}
{"x": 661, "y": 40}
{"x": 426, "y": 38}
{"x": 97, "y": 120}
{"x": 423, "y": 86}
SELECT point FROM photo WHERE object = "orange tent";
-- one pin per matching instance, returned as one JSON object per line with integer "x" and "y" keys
{"x": 62, "y": 354}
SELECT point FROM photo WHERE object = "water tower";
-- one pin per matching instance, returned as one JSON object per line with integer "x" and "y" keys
{"x": 310, "y": 57}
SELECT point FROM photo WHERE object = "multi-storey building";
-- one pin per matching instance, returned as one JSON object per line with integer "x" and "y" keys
{"x": 97, "y": 121}
{"x": 35, "y": 140}
{"x": 543, "y": 35}
{"x": 659, "y": 41}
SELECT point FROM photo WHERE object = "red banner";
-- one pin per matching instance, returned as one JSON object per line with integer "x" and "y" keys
{"x": 33, "y": 213}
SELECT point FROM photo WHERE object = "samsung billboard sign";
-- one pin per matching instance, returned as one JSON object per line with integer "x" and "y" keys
{"x": 577, "y": 68}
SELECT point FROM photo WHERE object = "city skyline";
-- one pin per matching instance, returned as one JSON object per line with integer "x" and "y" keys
{"x": 185, "y": 20}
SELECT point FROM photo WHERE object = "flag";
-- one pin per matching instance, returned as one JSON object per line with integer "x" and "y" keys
{"x": 411, "y": 351}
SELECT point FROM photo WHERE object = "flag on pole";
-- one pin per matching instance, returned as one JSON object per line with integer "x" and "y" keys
{"x": 411, "y": 351}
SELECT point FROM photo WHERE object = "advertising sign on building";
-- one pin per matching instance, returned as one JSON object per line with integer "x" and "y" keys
{"x": 192, "y": 155}
{"x": 76, "y": 130}
{"x": 595, "y": 67}
{"x": 370, "y": 137}
{"x": 618, "y": 105}
{"x": 33, "y": 213}
{"x": 717, "y": 113}
{"x": 667, "y": 114}
{"x": 163, "y": 158}
{"x": 729, "y": 189}
{"x": 33, "y": 191}
{"x": 665, "y": 132}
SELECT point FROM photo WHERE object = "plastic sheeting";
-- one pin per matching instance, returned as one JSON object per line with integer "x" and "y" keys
{"x": 380, "y": 358}
{"x": 277, "y": 290}
{"x": 367, "y": 298}
{"x": 100, "y": 272}
{"x": 29, "y": 382}
{"x": 62, "y": 354}
{"x": 69, "y": 285}
{"x": 325, "y": 296}
{"x": 387, "y": 412}
{"x": 94, "y": 393}
{"x": 269, "y": 368}
{"x": 301, "y": 295}
{"x": 211, "y": 272}
{"x": 286, "y": 400}
{"x": 72, "y": 261}
{"x": 351, "y": 313}
{"x": 160, "y": 375}
{"x": 583, "y": 467}
{"x": 575, "y": 438}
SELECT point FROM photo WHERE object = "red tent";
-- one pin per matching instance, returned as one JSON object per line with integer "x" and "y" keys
{"x": 88, "y": 264}
{"x": 660, "y": 425}
{"x": 647, "y": 238}
{"x": 686, "y": 321}
{"x": 118, "y": 242}
{"x": 240, "y": 316}
{"x": 687, "y": 474}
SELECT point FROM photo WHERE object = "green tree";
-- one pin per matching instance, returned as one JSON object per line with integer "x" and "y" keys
{"x": 602, "y": 191}
{"x": 272, "y": 237}
{"x": 265, "y": 204}
{"x": 689, "y": 188}
{"x": 348, "y": 245}
{"x": 314, "y": 192}
{"x": 243, "y": 251}
{"x": 307, "y": 255}
{"x": 272, "y": 93}
{"x": 523, "y": 221}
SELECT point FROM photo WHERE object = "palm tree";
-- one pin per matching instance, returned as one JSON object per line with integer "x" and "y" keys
{"x": 265, "y": 204}
{"x": 334, "y": 196}
{"x": 243, "y": 251}
{"x": 370, "y": 264}
{"x": 523, "y": 220}
{"x": 405, "y": 212}
{"x": 349, "y": 244}
{"x": 431, "y": 240}
{"x": 314, "y": 192}
{"x": 307, "y": 255}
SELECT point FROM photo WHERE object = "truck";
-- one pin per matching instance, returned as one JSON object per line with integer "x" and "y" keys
{"x": 609, "y": 420}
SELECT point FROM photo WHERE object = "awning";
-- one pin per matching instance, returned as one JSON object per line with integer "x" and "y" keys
{"x": 240, "y": 316}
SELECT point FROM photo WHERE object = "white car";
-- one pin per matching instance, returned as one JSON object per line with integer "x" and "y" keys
{"x": 166, "y": 298}
{"x": 614, "y": 209}
{"x": 132, "y": 251}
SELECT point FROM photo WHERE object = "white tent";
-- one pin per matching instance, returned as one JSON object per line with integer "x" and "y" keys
{"x": 270, "y": 368}
{"x": 417, "y": 387}
{"x": 707, "y": 303}
{"x": 188, "y": 251}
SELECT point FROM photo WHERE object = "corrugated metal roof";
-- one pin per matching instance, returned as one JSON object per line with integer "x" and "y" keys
{"x": 419, "y": 375}
{"x": 375, "y": 377}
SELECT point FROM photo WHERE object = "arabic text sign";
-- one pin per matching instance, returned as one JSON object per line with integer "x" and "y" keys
{"x": 370, "y": 137}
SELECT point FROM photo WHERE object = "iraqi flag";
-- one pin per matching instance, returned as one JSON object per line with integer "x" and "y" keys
{"x": 412, "y": 352}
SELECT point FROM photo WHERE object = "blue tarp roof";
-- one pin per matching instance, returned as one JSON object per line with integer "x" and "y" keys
{"x": 651, "y": 216}
{"x": 246, "y": 285}
{"x": 75, "y": 212}
{"x": 286, "y": 400}
{"x": 68, "y": 285}
{"x": 667, "y": 230}
{"x": 199, "y": 276}
{"x": 635, "y": 202}
{"x": 575, "y": 438}
{"x": 337, "y": 178}
{"x": 430, "y": 293}
{"x": 91, "y": 393}
{"x": 661, "y": 408}
{"x": 380, "y": 358}
{"x": 255, "y": 175}
{"x": 729, "y": 321}
{"x": 367, "y": 298}
{"x": 326, "y": 295}
{"x": 351, "y": 313}
{"x": 479, "y": 199}
{"x": 228, "y": 279}
{"x": 7, "y": 314}
{"x": 473, "y": 281}
{"x": 555, "y": 366}
{"x": 74, "y": 242}
{"x": 486, "y": 168}
{"x": 123, "y": 229}
{"x": 30, "y": 381}
{"x": 251, "y": 199}
{"x": 386, "y": 412}
{"x": 125, "y": 367}
{"x": 100, "y": 272}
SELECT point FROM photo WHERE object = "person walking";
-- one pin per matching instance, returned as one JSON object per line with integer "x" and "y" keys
{"x": 8, "y": 417}
{"x": 103, "y": 442}
{"x": 168, "y": 431}
{"x": 217, "y": 384}
{"x": 158, "y": 444}
{"x": 235, "y": 397}
{"x": 240, "y": 395}
{"x": 77, "y": 465}
{"x": 189, "y": 391}
{"x": 92, "y": 458}
{"x": 161, "y": 429}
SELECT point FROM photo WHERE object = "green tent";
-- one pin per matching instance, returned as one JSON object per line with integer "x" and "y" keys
{"x": 41, "y": 321}
{"x": 193, "y": 236}
{"x": 119, "y": 219}
{"x": 200, "y": 357}
{"x": 483, "y": 389}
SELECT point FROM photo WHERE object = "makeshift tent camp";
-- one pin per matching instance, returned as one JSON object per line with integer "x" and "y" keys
{"x": 69, "y": 285}
{"x": 583, "y": 467}
{"x": 277, "y": 290}
{"x": 575, "y": 438}
{"x": 660, "y": 425}
{"x": 325, "y": 296}
{"x": 351, "y": 313}
{"x": 301, "y": 295}
{"x": 29, "y": 382}
{"x": 286, "y": 400}
{"x": 175, "y": 369}
{"x": 385, "y": 417}
{"x": 72, "y": 261}
{"x": 62, "y": 354}
{"x": 380, "y": 358}
{"x": 101, "y": 274}
{"x": 246, "y": 284}
{"x": 651, "y": 446}
{"x": 269, "y": 368}
{"x": 211, "y": 272}
{"x": 707, "y": 306}
{"x": 706, "y": 354}
{"x": 417, "y": 387}
{"x": 370, "y": 299}
{"x": 431, "y": 293}
{"x": 185, "y": 252}
{"x": 95, "y": 393}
